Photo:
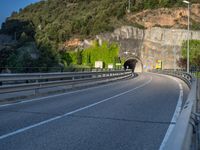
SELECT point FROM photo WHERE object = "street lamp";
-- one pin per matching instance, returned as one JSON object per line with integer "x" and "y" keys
{"x": 188, "y": 42}
{"x": 129, "y": 6}
{"x": 174, "y": 50}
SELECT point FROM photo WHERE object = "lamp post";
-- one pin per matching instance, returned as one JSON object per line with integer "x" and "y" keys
{"x": 188, "y": 42}
{"x": 174, "y": 50}
{"x": 129, "y": 6}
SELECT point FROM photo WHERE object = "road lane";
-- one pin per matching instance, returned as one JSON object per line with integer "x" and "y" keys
{"x": 135, "y": 120}
{"x": 19, "y": 116}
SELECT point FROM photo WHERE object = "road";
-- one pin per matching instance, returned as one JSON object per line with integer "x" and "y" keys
{"x": 125, "y": 115}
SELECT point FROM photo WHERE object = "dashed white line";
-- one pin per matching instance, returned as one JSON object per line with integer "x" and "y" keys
{"x": 72, "y": 112}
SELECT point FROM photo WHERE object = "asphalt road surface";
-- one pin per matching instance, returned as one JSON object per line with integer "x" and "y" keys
{"x": 125, "y": 115}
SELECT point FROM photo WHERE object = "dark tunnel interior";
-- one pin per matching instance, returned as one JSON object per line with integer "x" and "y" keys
{"x": 130, "y": 64}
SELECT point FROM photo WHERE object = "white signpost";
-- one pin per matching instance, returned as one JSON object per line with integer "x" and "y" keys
{"x": 110, "y": 66}
{"x": 99, "y": 64}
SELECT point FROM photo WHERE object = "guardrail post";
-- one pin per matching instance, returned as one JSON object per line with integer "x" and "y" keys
{"x": 36, "y": 91}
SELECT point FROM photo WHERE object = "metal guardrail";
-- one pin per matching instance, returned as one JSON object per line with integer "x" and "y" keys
{"x": 33, "y": 81}
{"x": 182, "y": 135}
{"x": 186, "y": 77}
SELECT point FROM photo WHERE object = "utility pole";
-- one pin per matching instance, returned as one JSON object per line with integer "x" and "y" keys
{"x": 174, "y": 58}
{"x": 129, "y": 6}
{"x": 188, "y": 38}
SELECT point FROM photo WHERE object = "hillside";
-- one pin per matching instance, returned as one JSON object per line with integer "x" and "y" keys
{"x": 59, "y": 20}
{"x": 168, "y": 18}
{"x": 48, "y": 24}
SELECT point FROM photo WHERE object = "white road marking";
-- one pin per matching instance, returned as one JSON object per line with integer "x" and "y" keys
{"x": 72, "y": 112}
{"x": 52, "y": 96}
{"x": 175, "y": 116}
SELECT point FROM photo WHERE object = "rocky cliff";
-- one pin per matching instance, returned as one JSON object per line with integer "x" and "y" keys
{"x": 151, "y": 44}
{"x": 165, "y": 17}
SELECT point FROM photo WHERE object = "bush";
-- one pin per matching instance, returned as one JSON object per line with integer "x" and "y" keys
{"x": 194, "y": 52}
{"x": 107, "y": 52}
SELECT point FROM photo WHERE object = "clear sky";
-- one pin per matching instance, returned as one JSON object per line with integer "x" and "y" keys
{"x": 8, "y": 6}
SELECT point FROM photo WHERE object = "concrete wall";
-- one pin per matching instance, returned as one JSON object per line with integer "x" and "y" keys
{"x": 151, "y": 44}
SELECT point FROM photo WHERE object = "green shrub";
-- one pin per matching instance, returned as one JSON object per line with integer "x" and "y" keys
{"x": 194, "y": 52}
{"x": 107, "y": 52}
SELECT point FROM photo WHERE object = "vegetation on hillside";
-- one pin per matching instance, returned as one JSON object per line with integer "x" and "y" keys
{"x": 59, "y": 20}
{"x": 107, "y": 52}
{"x": 41, "y": 27}
{"x": 194, "y": 54}
{"x": 153, "y": 4}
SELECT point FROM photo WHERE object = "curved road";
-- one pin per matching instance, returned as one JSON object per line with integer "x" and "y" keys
{"x": 125, "y": 115}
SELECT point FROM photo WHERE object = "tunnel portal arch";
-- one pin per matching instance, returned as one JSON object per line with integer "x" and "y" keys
{"x": 134, "y": 63}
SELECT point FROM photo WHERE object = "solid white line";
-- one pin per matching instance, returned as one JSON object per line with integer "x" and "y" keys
{"x": 72, "y": 112}
{"x": 175, "y": 116}
{"x": 52, "y": 96}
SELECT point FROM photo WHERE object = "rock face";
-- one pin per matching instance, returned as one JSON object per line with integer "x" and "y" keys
{"x": 151, "y": 44}
{"x": 174, "y": 17}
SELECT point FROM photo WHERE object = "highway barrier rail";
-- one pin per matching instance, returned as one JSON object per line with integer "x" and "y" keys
{"x": 34, "y": 81}
{"x": 185, "y": 132}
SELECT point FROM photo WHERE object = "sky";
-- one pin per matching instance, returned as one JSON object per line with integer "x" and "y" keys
{"x": 8, "y": 6}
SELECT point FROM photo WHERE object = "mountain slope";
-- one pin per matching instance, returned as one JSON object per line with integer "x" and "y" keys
{"x": 59, "y": 20}
{"x": 170, "y": 18}
{"x": 45, "y": 26}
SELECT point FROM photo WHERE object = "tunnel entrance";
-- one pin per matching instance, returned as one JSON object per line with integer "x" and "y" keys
{"x": 134, "y": 64}
{"x": 130, "y": 64}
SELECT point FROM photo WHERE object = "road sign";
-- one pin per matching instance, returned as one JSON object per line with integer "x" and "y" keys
{"x": 158, "y": 64}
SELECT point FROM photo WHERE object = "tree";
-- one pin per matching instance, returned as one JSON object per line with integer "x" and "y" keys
{"x": 23, "y": 38}
{"x": 5, "y": 53}
{"x": 48, "y": 57}
{"x": 66, "y": 59}
{"x": 194, "y": 52}
{"x": 24, "y": 59}
{"x": 182, "y": 63}
{"x": 164, "y": 3}
{"x": 79, "y": 57}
